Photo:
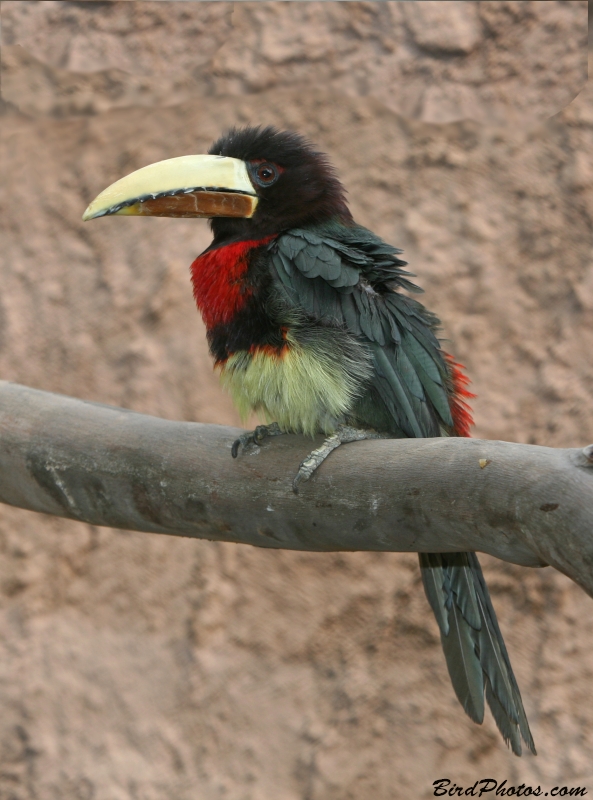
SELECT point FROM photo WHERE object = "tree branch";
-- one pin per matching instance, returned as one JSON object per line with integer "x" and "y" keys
{"x": 103, "y": 465}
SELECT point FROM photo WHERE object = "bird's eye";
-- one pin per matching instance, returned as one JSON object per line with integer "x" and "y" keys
{"x": 265, "y": 174}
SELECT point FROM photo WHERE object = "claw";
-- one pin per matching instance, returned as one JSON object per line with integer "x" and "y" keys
{"x": 314, "y": 459}
{"x": 235, "y": 448}
{"x": 255, "y": 437}
{"x": 310, "y": 464}
{"x": 343, "y": 434}
{"x": 299, "y": 478}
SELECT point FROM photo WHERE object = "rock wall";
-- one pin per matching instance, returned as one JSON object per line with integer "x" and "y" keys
{"x": 137, "y": 666}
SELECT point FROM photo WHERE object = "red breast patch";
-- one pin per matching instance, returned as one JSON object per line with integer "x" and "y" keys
{"x": 218, "y": 279}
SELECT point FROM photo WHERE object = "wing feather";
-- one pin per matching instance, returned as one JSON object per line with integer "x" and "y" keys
{"x": 347, "y": 277}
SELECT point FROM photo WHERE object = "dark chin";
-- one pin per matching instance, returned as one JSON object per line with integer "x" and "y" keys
{"x": 329, "y": 206}
{"x": 226, "y": 229}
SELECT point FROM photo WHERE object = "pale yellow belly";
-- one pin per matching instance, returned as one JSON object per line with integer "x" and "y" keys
{"x": 303, "y": 390}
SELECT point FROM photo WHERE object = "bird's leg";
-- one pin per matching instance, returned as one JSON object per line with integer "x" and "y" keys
{"x": 342, "y": 435}
{"x": 255, "y": 437}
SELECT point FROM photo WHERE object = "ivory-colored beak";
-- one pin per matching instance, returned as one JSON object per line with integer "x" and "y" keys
{"x": 188, "y": 186}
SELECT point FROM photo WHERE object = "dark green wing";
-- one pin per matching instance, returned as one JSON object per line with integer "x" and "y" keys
{"x": 348, "y": 277}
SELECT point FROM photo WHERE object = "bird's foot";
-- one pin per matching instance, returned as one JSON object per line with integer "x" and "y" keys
{"x": 255, "y": 437}
{"x": 342, "y": 435}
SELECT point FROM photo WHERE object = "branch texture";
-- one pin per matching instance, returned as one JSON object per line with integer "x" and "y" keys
{"x": 103, "y": 465}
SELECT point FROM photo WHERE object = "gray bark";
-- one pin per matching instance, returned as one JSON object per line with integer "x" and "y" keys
{"x": 103, "y": 465}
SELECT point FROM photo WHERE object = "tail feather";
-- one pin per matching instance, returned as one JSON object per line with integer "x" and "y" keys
{"x": 464, "y": 667}
{"x": 510, "y": 733}
{"x": 462, "y": 585}
{"x": 485, "y": 594}
{"x": 495, "y": 666}
{"x": 432, "y": 578}
{"x": 477, "y": 658}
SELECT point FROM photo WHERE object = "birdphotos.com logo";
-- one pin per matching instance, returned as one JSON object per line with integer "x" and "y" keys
{"x": 488, "y": 787}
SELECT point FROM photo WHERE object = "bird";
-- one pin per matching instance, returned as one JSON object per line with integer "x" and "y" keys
{"x": 311, "y": 323}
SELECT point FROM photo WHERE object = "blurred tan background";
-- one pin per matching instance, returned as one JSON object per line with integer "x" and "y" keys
{"x": 143, "y": 667}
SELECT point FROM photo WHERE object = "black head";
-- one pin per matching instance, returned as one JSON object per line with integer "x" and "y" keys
{"x": 296, "y": 184}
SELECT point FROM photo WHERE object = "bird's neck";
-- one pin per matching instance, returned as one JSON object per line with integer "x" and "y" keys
{"x": 227, "y": 230}
{"x": 220, "y": 281}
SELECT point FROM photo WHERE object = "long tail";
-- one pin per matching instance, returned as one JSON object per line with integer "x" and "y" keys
{"x": 475, "y": 651}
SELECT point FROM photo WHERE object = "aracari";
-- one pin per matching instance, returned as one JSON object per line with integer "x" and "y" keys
{"x": 311, "y": 323}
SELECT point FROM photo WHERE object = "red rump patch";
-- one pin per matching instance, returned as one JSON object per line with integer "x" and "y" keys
{"x": 218, "y": 280}
{"x": 460, "y": 409}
